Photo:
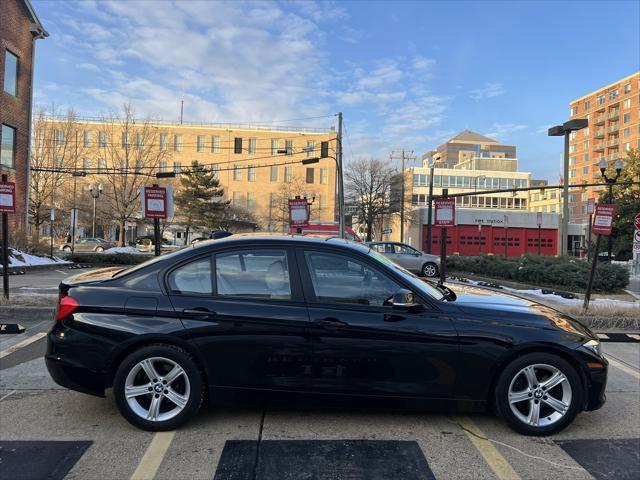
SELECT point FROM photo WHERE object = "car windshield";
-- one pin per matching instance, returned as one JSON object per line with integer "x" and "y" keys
{"x": 420, "y": 285}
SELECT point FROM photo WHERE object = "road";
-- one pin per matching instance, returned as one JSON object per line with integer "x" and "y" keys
{"x": 44, "y": 428}
{"x": 40, "y": 281}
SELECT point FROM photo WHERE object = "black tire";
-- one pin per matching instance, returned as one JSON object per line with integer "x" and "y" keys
{"x": 512, "y": 370}
{"x": 180, "y": 357}
{"x": 430, "y": 269}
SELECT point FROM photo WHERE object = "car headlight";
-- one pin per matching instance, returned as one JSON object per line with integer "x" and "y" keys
{"x": 594, "y": 346}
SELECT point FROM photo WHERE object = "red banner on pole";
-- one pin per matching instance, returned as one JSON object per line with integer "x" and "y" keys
{"x": 298, "y": 212}
{"x": 603, "y": 219}
{"x": 636, "y": 221}
{"x": 7, "y": 197}
{"x": 155, "y": 202}
{"x": 445, "y": 212}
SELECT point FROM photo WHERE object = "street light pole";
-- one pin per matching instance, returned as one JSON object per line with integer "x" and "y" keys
{"x": 430, "y": 209}
{"x": 340, "y": 177}
{"x": 611, "y": 182}
{"x": 95, "y": 193}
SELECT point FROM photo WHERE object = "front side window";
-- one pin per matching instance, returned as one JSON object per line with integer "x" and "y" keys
{"x": 340, "y": 279}
{"x": 192, "y": 279}
{"x": 255, "y": 273}
{"x": 8, "y": 149}
{"x": 10, "y": 73}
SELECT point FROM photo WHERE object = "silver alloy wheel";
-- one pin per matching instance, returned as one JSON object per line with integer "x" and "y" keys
{"x": 540, "y": 395}
{"x": 157, "y": 389}
{"x": 429, "y": 270}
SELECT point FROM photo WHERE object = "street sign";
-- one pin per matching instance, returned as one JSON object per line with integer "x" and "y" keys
{"x": 591, "y": 206}
{"x": 387, "y": 231}
{"x": 155, "y": 202}
{"x": 539, "y": 219}
{"x": 298, "y": 212}
{"x": 636, "y": 241}
{"x": 7, "y": 197}
{"x": 603, "y": 219}
{"x": 445, "y": 212}
{"x": 636, "y": 221}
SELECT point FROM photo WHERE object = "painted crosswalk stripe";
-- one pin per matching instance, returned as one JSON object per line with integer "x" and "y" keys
{"x": 623, "y": 367}
{"x": 602, "y": 336}
{"x": 152, "y": 458}
{"x": 635, "y": 336}
{"x": 491, "y": 455}
{"x": 23, "y": 343}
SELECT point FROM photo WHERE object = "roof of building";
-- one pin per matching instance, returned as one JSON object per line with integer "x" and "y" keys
{"x": 469, "y": 136}
{"x": 36, "y": 25}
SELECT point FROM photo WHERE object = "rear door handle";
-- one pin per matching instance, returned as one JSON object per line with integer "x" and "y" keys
{"x": 199, "y": 313}
{"x": 331, "y": 322}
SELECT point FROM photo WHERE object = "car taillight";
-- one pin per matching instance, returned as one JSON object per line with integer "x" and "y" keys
{"x": 66, "y": 306}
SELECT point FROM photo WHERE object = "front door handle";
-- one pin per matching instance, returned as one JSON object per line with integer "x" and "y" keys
{"x": 199, "y": 313}
{"x": 330, "y": 322}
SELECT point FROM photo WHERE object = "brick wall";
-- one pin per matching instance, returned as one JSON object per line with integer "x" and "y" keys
{"x": 14, "y": 111}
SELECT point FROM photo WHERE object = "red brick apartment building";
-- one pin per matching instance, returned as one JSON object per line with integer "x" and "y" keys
{"x": 19, "y": 29}
{"x": 613, "y": 112}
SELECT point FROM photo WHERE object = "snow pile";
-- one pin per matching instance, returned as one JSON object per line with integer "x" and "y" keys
{"x": 130, "y": 250}
{"x": 22, "y": 259}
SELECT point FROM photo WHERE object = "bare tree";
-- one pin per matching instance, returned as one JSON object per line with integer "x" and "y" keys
{"x": 131, "y": 155}
{"x": 277, "y": 212}
{"x": 56, "y": 151}
{"x": 368, "y": 184}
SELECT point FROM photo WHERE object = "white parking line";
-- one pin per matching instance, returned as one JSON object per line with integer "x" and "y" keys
{"x": 623, "y": 367}
{"x": 635, "y": 336}
{"x": 152, "y": 458}
{"x": 7, "y": 395}
{"x": 23, "y": 343}
{"x": 602, "y": 336}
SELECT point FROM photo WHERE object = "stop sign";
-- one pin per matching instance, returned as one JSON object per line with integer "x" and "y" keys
{"x": 637, "y": 221}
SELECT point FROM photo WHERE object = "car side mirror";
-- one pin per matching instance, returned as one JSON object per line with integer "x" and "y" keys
{"x": 405, "y": 300}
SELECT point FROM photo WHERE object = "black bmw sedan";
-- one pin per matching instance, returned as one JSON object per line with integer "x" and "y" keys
{"x": 315, "y": 316}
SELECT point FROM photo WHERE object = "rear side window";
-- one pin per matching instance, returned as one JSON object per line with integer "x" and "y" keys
{"x": 192, "y": 279}
{"x": 254, "y": 273}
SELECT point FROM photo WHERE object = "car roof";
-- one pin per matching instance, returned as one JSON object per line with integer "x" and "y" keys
{"x": 290, "y": 239}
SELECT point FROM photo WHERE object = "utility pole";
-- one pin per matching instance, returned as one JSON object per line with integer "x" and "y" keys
{"x": 403, "y": 156}
{"x": 340, "y": 177}
{"x": 181, "y": 110}
{"x": 74, "y": 211}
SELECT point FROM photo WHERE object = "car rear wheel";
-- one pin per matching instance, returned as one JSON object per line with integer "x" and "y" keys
{"x": 66, "y": 248}
{"x": 430, "y": 269}
{"x": 99, "y": 249}
{"x": 158, "y": 387}
{"x": 539, "y": 394}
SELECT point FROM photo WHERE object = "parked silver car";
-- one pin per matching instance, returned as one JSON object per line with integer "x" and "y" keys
{"x": 408, "y": 257}
{"x": 88, "y": 245}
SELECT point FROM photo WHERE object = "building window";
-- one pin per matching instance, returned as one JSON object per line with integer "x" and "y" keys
{"x": 102, "y": 165}
{"x": 324, "y": 176}
{"x": 200, "y": 143}
{"x": 177, "y": 143}
{"x": 322, "y": 201}
{"x": 162, "y": 166}
{"x": 572, "y": 147}
{"x": 626, "y": 146}
{"x": 572, "y": 174}
{"x": 8, "y": 149}
{"x": 252, "y": 145}
{"x": 600, "y": 100}
{"x": 574, "y": 111}
{"x": 87, "y": 140}
{"x": 251, "y": 202}
{"x": 102, "y": 139}
{"x": 274, "y": 146}
{"x": 626, "y": 132}
{"x": 237, "y": 145}
{"x": 237, "y": 173}
{"x": 572, "y": 160}
{"x": 310, "y": 172}
{"x": 585, "y": 145}
{"x": 626, "y": 118}
{"x": 585, "y": 158}
{"x": 626, "y": 103}
{"x": 59, "y": 137}
{"x": 86, "y": 165}
{"x": 311, "y": 146}
{"x": 274, "y": 174}
{"x": 10, "y": 73}
{"x": 289, "y": 146}
{"x": 237, "y": 200}
{"x": 177, "y": 168}
{"x": 613, "y": 94}
{"x": 163, "y": 142}
{"x": 125, "y": 139}
{"x": 585, "y": 170}
{"x": 251, "y": 173}
{"x": 627, "y": 88}
{"x": 288, "y": 174}
{"x": 587, "y": 106}
{"x": 215, "y": 144}
{"x": 139, "y": 140}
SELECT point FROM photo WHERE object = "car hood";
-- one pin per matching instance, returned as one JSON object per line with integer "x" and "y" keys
{"x": 511, "y": 308}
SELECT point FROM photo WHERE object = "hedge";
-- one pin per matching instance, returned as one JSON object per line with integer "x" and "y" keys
{"x": 108, "y": 258}
{"x": 554, "y": 272}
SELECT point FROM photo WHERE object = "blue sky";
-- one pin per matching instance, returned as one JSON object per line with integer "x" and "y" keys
{"x": 405, "y": 74}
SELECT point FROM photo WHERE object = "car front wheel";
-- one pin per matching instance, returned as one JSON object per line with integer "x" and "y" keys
{"x": 158, "y": 388}
{"x": 539, "y": 394}
{"x": 430, "y": 269}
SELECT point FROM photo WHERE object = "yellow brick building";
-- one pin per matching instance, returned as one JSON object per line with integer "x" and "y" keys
{"x": 258, "y": 167}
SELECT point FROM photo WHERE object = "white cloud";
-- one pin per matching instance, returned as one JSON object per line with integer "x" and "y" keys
{"x": 489, "y": 90}
{"x": 383, "y": 75}
{"x": 504, "y": 130}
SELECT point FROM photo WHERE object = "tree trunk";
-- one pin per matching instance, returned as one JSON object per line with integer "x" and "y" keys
{"x": 186, "y": 235}
{"x": 369, "y": 228}
{"x": 122, "y": 234}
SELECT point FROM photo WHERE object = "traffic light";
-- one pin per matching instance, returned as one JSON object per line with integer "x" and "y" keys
{"x": 324, "y": 149}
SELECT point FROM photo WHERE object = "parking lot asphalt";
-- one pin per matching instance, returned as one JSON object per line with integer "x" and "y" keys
{"x": 45, "y": 428}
